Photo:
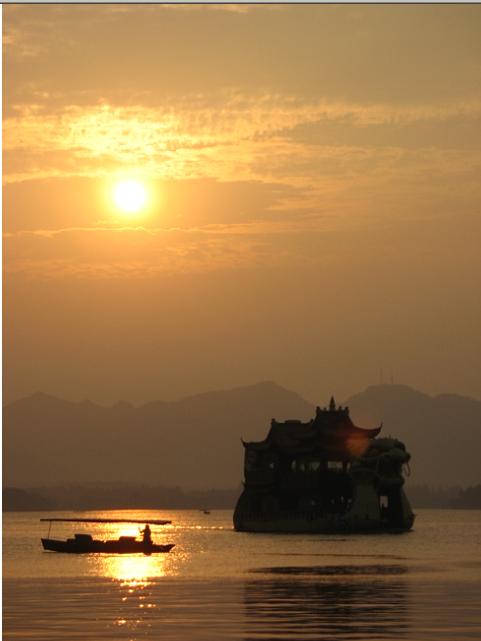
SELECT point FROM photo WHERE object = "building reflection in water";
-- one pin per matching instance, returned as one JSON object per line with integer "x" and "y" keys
{"x": 333, "y": 602}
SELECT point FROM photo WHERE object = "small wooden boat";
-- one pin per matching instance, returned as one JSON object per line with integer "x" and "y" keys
{"x": 86, "y": 544}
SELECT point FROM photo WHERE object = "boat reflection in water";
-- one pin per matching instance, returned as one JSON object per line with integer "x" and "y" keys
{"x": 331, "y": 602}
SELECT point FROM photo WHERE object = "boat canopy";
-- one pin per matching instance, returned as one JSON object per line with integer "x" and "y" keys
{"x": 93, "y": 520}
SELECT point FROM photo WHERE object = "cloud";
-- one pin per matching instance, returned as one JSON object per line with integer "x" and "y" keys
{"x": 251, "y": 173}
{"x": 16, "y": 40}
{"x": 199, "y": 121}
{"x": 256, "y": 228}
{"x": 138, "y": 253}
{"x": 216, "y": 6}
{"x": 143, "y": 253}
{"x": 195, "y": 137}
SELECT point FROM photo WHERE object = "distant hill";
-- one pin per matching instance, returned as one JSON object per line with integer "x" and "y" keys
{"x": 16, "y": 500}
{"x": 192, "y": 443}
{"x": 195, "y": 442}
{"x": 443, "y": 433}
{"x": 116, "y": 496}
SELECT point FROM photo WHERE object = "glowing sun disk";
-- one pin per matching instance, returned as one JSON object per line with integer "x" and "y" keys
{"x": 130, "y": 196}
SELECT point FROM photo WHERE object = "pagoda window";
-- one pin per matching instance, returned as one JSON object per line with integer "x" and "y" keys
{"x": 334, "y": 465}
{"x": 271, "y": 462}
{"x": 304, "y": 465}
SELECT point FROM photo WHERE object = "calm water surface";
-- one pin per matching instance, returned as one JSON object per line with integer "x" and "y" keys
{"x": 219, "y": 584}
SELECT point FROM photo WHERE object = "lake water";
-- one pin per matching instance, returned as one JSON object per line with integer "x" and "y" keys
{"x": 220, "y": 584}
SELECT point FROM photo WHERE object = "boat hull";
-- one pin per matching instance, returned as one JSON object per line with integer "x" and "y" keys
{"x": 364, "y": 515}
{"x": 75, "y": 546}
{"x": 315, "y": 525}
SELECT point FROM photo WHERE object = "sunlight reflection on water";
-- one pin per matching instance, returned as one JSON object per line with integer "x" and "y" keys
{"x": 137, "y": 567}
{"x": 220, "y": 585}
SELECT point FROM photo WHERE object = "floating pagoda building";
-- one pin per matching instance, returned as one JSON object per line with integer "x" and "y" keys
{"x": 325, "y": 475}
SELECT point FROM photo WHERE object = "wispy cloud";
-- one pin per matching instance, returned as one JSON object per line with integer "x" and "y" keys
{"x": 160, "y": 252}
{"x": 255, "y": 228}
{"x": 16, "y": 40}
{"x": 140, "y": 253}
{"x": 194, "y": 137}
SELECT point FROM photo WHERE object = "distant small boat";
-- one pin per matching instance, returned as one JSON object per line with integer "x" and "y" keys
{"x": 86, "y": 544}
{"x": 205, "y": 511}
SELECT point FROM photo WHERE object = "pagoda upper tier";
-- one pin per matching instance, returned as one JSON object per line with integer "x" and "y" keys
{"x": 331, "y": 433}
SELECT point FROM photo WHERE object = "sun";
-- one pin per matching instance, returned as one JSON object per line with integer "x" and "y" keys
{"x": 130, "y": 196}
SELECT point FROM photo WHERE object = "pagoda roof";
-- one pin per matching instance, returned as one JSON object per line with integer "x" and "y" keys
{"x": 331, "y": 432}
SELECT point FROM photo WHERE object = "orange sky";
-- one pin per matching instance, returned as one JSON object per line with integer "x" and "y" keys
{"x": 314, "y": 198}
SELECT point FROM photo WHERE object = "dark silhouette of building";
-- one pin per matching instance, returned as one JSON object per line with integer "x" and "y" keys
{"x": 325, "y": 475}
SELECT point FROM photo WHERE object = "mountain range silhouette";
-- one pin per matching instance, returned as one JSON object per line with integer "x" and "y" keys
{"x": 196, "y": 442}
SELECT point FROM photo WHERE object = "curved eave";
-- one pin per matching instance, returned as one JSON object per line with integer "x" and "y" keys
{"x": 353, "y": 431}
{"x": 371, "y": 433}
{"x": 255, "y": 445}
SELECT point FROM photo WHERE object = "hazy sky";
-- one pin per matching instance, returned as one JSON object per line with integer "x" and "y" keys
{"x": 314, "y": 194}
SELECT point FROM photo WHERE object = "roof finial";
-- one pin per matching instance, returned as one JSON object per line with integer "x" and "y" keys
{"x": 332, "y": 404}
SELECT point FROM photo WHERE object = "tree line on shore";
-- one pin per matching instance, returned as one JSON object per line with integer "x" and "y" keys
{"x": 121, "y": 496}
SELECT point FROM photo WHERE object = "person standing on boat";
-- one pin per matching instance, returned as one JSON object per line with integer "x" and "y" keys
{"x": 146, "y": 535}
